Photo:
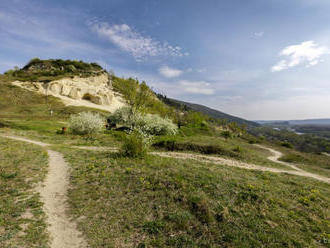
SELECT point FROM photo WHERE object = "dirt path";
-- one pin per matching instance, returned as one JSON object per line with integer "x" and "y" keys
{"x": 239, "y": 164}
{"x": 53, "y": 192}
{"x": 229, "y": 162}
{"x": 276, "y": 156}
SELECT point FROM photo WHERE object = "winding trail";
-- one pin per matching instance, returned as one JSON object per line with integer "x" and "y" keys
{"x": 275, "y": 157}
{"x": 64, "y": 233}
{"x": 229, "y": 162}
{"x": 326, "y": 154}
{"x": 239, "y": 164}
{"x": 53, "y": 192}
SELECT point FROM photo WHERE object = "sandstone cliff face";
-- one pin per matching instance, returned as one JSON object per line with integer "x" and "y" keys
{"x": 94, "y": 91}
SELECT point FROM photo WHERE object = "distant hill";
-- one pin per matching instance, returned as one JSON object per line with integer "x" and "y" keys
{"x": 297, "y": 122}
{"x": 207, "y": 111}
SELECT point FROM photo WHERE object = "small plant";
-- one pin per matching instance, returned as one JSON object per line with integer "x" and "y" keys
{"x": 226, "y": 134}
{"x": 237, "y": 149}
{"x": 135, "y": 145}
{"x": 287, "y": 145}
{"x": 86, "y": 123}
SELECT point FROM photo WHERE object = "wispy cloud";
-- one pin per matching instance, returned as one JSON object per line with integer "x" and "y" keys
{"x": 138, "y": 45}
{"x": 196, "y": 87}
{"x": 308, "y": 53}
{"x": 169, "y": 72}
{"x": 31, "y": 30}
{"x": 258, "y": 34}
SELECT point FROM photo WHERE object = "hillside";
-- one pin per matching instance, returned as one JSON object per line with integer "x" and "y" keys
{"x": 209, "y": 184}
{"x": 52, "y": 69}
{"x": 207, "y": 111}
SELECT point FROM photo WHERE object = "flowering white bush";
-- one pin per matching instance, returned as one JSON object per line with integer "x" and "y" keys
{"x": 149, "y": 124}
{"x": 86, "y": 123}
{"x": 123, "y": 116}
{"x": 155, "y": 125}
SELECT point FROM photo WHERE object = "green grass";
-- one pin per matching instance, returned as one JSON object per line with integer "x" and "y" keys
{"x": 155, "y": 202}
{"x": 234, "y": 148}
{"x": 312, "y": 162}
{"x": 161, "y": 202}
{"x": 22, "y": 221}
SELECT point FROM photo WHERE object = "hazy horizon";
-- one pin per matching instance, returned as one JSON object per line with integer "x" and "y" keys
{"x": 259, "y": 60}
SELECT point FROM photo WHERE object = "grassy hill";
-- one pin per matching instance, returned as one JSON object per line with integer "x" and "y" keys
{"x": 52, "y": 69}
{"x": 207, "y": 111}
{"x": 157, "y": 201}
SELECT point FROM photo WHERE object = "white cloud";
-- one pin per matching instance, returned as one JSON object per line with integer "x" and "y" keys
{"x": 196, "y": 87}
{"x": 308, "y": 53}
{"x": 258, "y": 34}
{"x": 136, "y": 44}
{"x": 169, "y": 72}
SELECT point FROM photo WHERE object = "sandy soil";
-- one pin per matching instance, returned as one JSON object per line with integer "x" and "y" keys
{"x": 53, "y": 192}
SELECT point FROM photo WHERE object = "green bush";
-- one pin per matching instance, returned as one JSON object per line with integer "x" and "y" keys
{"x": 287, "y": 145}
{"x": 226, "y": 134}
{"x": 135, "y": 146}
{"x": 86, "y": 123}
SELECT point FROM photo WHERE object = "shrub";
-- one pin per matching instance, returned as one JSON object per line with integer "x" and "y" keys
{"x": 86, "y": 123}
{"x": 226, "y": 134}
{"x": 287, "y": 144}
{"x": 173, "y": 145}
{"x": 135, "y": 146}
{"x": 123, "y": 116}
{"x": 155, "y": 125}
{"x": 150, "y": 124}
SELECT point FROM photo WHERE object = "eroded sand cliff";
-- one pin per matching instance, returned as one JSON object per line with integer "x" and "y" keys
{"x": 94, "y": 91}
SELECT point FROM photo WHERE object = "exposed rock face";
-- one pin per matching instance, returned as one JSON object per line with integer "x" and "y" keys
{"x": 94, "y": 91}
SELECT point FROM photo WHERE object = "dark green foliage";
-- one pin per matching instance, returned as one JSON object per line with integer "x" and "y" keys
{"x": 287, "y": 144}
{"x": 173, "y": 145}
{"x": 226, "y": 134}
{"x": 134, "y": 146}
{"x": 201, "y": 208}
{"x": 153, "y": 227}
{"x": 52, "y": 69}
{"x": 304, "y": 142}
{"x": 237, "y": 149}
{"x": 141, "y": 97}
{"x": 185, "y": 106}
{"x": 2, "y": 124}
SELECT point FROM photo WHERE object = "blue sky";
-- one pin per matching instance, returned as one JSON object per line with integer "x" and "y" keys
{"x": 258, "y": 59}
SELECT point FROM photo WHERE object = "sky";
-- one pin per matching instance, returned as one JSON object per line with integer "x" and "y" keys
{"x": 256, "y": 59}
